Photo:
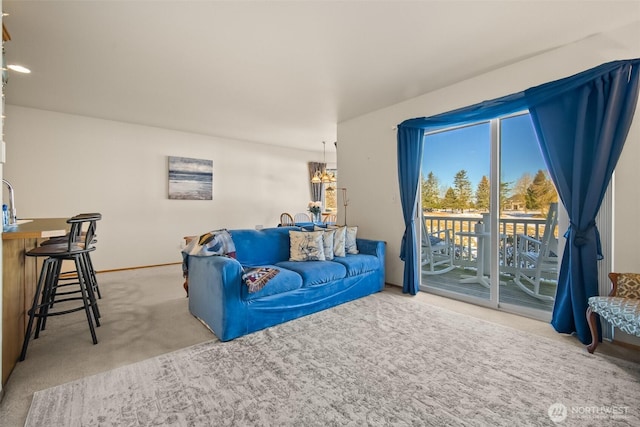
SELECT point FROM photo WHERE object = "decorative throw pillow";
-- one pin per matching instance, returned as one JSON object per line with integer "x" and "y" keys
{"x": 434, "y": 240}
{"x": 306, "y": 246}
{"x": 628, "y": 285}
{"x": 256, "y": 278}
{"x": 327, "y": 242}
{"x": 350, "y": 241}
{"x": 339, "y": 240}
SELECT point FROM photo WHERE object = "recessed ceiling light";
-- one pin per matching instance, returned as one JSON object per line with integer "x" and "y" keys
{"x": 19, "y": 68}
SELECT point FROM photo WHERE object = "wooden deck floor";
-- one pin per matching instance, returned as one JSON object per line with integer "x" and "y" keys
{"x": 509, "y": 293}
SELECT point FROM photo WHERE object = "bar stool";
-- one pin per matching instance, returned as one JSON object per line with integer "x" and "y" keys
{"x": 47, "y": 294}
{"x": 72, "y": 274}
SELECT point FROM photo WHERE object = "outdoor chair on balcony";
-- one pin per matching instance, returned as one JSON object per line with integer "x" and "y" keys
{"x": 537, "y": 259}
{"x": 437, "y": 251}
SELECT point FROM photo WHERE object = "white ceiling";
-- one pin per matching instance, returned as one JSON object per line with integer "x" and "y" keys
{"x": 275, "y": 72}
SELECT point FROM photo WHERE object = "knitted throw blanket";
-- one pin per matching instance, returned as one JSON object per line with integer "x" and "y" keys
{"x": 217, "y": 242}
{"x": 220, "y": 243}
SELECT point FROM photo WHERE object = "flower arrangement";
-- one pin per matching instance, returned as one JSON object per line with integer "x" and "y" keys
{"x": 314, "y": 208}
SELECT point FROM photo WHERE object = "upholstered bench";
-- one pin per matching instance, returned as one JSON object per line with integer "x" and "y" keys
{"x": 621, "y": 308}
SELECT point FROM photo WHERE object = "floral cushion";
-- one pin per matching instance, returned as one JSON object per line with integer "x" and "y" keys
{"x": 628, "y": 285}
{"x": 350, "y": 241}
{"x": 327, "y": 240}
{"x": 339, "y": 240}
{"x": 306, "y": 246}
{"x": 623, "y": 313}
{"x": 344, "y": 240}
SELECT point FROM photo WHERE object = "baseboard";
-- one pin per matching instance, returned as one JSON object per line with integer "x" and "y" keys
{"x": 626, "y": 345}
{"x": 137, "y": 268}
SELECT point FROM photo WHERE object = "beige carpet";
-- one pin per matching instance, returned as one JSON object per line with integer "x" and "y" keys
{"x": 144, "y": 314}
{"x": 387, "y": 359}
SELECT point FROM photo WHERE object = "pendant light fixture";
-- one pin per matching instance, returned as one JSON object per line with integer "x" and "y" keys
{"x": 323, "y": 177}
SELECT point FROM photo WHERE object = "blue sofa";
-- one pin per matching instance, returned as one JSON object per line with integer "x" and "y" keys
{"x": 219, "y": 297}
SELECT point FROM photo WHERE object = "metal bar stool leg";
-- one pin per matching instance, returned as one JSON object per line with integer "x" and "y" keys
{"x": 90, "y": 288}
{"x": 46, "y": 300}
{"x": 51, "y": 288}
{"x": 92, "y": 273}
{"x": 32, "y": 312}
{"x": 85, "y": 298}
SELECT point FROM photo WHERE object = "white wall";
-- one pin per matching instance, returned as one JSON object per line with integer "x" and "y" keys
{"x": 367, "y": 157}
{"x": 626, "y": 232}
{"x": 62, "y": 164}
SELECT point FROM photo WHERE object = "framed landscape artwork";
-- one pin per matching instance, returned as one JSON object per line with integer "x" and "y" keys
{"x": 190, "y": 179}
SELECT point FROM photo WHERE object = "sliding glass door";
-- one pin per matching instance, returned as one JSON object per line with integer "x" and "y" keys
{"x": 455, "y": 202}
{"x": 528, "y": 219}
{"x": 487, "y": 201}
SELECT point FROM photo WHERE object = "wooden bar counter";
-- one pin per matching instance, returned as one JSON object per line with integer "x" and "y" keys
{"x": 19, "y": 279}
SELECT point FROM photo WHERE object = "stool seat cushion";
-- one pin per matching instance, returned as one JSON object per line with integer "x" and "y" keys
{"x": 59, "y": 250}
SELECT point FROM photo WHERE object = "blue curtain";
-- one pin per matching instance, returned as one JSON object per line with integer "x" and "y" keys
{"x": 410, "y": 143}
{"x": 586, "y": 117}
{"x": 582, "y": 128}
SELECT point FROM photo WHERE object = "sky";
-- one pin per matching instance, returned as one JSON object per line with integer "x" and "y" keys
{"x": 468, "y": 148}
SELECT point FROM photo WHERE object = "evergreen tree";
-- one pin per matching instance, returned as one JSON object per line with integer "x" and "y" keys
{"x": 430, "y": 192}
{"x": 505, "y": 189}
{"x": 450, "y": 200}
{"x": 462, "y": 190}
{"x": 531, "y": 202}
{"x": 541, "y": 192}
{"x": 483, "y": 193}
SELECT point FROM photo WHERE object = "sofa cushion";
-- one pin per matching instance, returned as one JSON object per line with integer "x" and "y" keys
{"x": 316, "y": 272}
{"x": 306, "y": 246}
{"x": 256, "y": 248}
{"x": 358, "y": 264}
{"x": 327, "y": 242}
{"x": 350, "y": 246}
{"x": 628, "y": 285}
{"x": 257, "y": 278}
{"x": 284, "y": 281}
{"x": 339, "y": 240}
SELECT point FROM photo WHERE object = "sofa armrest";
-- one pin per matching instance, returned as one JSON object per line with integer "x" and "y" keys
{"x": 215, "y": 284}
{"x": 371, "y": 247}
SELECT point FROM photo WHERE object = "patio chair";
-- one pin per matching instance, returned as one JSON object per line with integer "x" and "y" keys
{"x": 437, "y": 251}
{"x": 538, "y": 259}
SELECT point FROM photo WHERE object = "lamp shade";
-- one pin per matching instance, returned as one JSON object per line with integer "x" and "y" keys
{"x": 316, "y": 178}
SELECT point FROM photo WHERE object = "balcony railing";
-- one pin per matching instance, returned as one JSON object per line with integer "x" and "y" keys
{"x": 466, "y": 251}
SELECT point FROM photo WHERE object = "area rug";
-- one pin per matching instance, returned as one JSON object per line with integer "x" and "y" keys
{"x": 383, "y": 360}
